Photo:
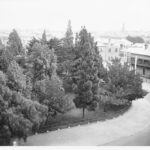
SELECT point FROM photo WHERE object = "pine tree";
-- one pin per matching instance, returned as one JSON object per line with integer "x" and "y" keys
{"x": 14, "y": 44}
{"x": 68, "y": 40}
{"x": 44, "y": 38}
{"x": 85, "y": 72}
{"x": 30, "y": 45}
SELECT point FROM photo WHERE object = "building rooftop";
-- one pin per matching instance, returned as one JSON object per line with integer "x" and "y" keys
{"x": 115, "y": 42}
{"x": 137, "y": 51}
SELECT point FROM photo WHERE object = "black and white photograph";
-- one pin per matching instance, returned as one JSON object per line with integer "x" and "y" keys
{"x": 74, "y": 73}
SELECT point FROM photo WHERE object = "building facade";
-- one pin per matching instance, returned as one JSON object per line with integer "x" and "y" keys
{"x": 138, "y": 58}
{"x": 110, "y": 49}
{"x": 137, "y": 55}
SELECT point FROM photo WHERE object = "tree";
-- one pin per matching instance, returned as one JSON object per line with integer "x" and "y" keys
{"x": 122, "y": 86}
{"x": 4, "y": 60}
{"x": 50, "y": 93}
{"x": 18, "y": 115}
{"x": 55, "y": 43}
{"x": 17, "y": 80}
{"x": 46, "y": 85}
{"x": 14, "y": 44}
{"x": 68, "y": 40}
{"x": 85, "y": 72}
{"x": 65, "y": 57}
{"x": 43, "y": 60}
{"x": 44, "y": 39}
{"x": 15, "y": 94}
{"x": 136, "y": 39}
{"x": 30, "y": 45}
{"x": 2, "y": 47}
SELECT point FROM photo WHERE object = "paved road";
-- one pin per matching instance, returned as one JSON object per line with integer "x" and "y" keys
{"x": 142, "y": 138}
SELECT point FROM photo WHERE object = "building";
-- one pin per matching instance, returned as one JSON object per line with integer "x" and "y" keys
{"x": 138, "y": 57}
{"x": 108, "y": 52}
{"x": 110, "y": 49}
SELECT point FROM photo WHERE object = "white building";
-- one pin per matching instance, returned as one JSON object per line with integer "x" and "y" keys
{"x": 138, "y": 57}
{"x": 110, "y": 48}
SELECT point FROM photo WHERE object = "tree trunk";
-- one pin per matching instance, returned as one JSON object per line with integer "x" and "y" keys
{"x": 83, "y": 112}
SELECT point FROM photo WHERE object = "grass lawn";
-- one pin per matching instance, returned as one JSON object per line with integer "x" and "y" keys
{"x": 74, "y": 117}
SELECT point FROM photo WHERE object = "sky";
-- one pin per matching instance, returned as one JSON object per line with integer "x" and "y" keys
{"x": 96, "y": 15}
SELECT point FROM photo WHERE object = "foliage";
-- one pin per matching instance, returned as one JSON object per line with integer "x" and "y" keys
{"x": 122, "y": 86}
{"x": 44, "y": 39}
{"x": 55, "y": 43}
{"x": 136, "y": 39}
{"x": 14, "y": 44}
{"x": 18, "y": 115}
{"x": 31, "y": 43}
{"x": 4, "y": 60}
{"x": 46, "y": 85}
{"x": 67, "y": 84}
{"x": 68, "y": 40}
{"x": 50, "y": 92}
{"x": 2, "y": 47}
{"x": 32, "y": 86}
{"x": 64, "y": 60}
{"x": 17, "y": 79}
{"x": 43, "y": 60}
{"x": 85, "y": 72}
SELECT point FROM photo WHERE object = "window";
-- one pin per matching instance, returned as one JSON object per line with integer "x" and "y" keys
{"x": 116, "y": 50}
{"x": 109, "y": 49}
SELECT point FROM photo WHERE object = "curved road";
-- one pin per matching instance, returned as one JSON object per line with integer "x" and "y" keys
{"x": 142, "y": 138}
{"x": 132, "y": 128}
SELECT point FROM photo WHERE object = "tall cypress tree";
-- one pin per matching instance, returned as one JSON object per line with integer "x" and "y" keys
{"x": 68, "y": 40}
{"x": 85, "y": 72}
{"x": 44, "y": 38}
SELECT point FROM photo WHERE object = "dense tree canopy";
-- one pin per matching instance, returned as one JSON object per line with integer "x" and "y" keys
{"x": 65, "y": 57}
{"x": 19, "y": 115}
{"x": 46, "y": 86}
{"x": 43, "y": 60}
{"x": 123, "y": 85}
